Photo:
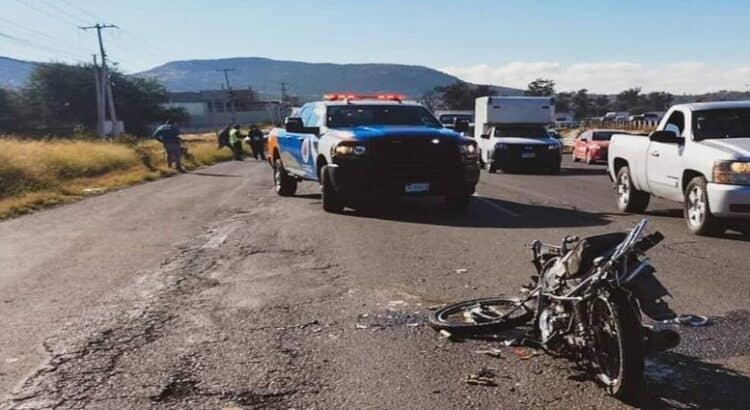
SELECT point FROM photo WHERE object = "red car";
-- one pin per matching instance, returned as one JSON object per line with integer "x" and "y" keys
{"x": 591, "y": 145}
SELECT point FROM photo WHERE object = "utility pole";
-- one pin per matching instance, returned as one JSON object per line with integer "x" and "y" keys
{"x": 284, "y": 93}
{"x": 105, "y": 85}
{"x": 99, "y": 99}
{"x": 226, "y": 72}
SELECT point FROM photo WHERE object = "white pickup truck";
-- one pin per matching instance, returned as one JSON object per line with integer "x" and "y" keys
{"x": 699, "y": 155}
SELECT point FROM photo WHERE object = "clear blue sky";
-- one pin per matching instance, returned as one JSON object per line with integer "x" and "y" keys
{"x": 480, "y": 40}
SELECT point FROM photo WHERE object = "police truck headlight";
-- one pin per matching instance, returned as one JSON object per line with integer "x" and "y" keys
{"x": 553, "y": 147}
{"x": 468, "y": 149}
{"x": 732, "y": 172}
{"x": 349, "y": 149}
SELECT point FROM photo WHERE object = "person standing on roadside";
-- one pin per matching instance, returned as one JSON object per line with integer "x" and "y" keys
{"x": 223, "y": 137}
{"x": 256, "y": 142}
{"x": 235, "y": 142}
{"x": 169, "y": 136}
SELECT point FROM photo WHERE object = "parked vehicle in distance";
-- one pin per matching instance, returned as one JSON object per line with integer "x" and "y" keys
{"x": 449, "y": 119}
{"x": 592, "y": 146}
{"x": 564, "y": 120}
{"x": 634, "y": 118}
{"x": 699, "y": 155}
{"x": 512, "y": 134}
{"x": 614, "y": 116}
{"x": 652, "y": 116}
{"x": 360, "y": 148}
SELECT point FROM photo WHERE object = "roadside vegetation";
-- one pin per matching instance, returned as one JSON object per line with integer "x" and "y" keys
{"x": 36, "y": 174}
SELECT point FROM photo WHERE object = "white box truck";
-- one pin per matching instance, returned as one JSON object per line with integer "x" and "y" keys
{"x": 511, "y": 133}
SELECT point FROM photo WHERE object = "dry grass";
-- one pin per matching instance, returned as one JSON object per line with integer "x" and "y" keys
{"x": 38, "y": 174}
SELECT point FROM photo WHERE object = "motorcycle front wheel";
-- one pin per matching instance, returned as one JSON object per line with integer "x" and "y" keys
{"x": 480, "y": 316}
{"x": 617, "y": 350}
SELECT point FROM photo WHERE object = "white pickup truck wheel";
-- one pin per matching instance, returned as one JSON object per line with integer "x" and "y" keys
{"x": 698, "y": 215}
{"x": 629, "y": 199}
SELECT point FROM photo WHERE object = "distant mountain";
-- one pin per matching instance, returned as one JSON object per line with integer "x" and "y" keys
{"x": 305, "y": 80}
{"x": 13, "y": 73}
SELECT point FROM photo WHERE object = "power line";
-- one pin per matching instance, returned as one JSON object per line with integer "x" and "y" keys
{"x": 64, "y": 12}
{"x": 45, "y": 12}
{"x": 29, "y": 30}
{"x": 38, "y": 46}
{"x": 80, "y": 9}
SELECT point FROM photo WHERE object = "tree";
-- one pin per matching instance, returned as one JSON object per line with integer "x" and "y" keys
{"x": 456, "y": 96}
{"x": 541, "y": 87}
{"x": 630, "y": 100}
{"x": 59, "y": 98}
{"x": 582, "y": 104}
{"x": 562, "y": 101}
{"x": 601, "y": 103}
{"x": 658, "y": 101}
{"x": 432, "y": 100}
{"x": 9, "y": 115}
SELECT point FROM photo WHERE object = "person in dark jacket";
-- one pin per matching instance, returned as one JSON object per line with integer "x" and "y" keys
{"x": 223, "y": 137}
{"x": 235, "y": 141}
{"x": 256, "y": 142}
{"x": 169, "y": 136}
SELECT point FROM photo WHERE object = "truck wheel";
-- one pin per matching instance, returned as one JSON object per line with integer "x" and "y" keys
{"x": 629, "y": 199}
{"x": 575, "y": 158}
{"x": 284, "y": 184}
{"x": 697, "y": 210}
{"x": 492, "y": 168}
{"x": 332, "y": 202}
{"x": 459, "y": 202}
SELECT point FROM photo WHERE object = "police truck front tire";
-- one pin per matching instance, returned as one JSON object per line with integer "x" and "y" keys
{"x": 458, "y": 202}
{"x": 284, "y": 184}
{"x": 332, "y": 201}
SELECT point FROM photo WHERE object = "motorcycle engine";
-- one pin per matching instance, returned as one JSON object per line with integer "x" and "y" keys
{"x": 552, "y": 319}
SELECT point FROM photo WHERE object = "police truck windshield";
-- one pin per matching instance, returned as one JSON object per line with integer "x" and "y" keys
{"x": 355, "y": 115}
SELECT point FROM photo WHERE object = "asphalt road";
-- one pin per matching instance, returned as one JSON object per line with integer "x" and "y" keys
{"x": 206, "y": 290}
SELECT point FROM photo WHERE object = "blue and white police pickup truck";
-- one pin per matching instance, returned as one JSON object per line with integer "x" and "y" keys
{"x": 361, "y": 148}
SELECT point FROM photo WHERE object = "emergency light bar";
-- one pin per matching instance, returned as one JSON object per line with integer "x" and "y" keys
{"x": 381, "y": 97}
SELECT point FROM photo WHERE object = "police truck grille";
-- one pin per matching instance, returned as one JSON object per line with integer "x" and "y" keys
{"x": 414, "y": 155}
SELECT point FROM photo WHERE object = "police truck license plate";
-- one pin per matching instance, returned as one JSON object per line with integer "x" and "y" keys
{"x": 528, "y": 155}
{"x": 419, "y": 187}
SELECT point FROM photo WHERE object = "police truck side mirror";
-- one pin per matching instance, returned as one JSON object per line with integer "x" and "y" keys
{"x": 460, "y": 125}
{"x": 294, "y": 124}
{"x": 485, "y": 136}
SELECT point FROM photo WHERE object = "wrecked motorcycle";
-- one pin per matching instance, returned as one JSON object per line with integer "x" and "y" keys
{"x": 586, "y": 302}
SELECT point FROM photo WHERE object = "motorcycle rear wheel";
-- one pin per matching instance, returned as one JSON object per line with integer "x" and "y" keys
{"x": 480, "y": 316}
{"x": 617, "y": 352}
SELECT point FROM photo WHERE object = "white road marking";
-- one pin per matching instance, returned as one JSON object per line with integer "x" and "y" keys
{"x": 497, "y": 207}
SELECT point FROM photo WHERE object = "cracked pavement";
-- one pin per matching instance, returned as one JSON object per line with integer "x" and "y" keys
{"x": 212, "y": 292}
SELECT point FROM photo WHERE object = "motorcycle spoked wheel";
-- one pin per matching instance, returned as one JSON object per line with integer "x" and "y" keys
{"x": 617, "y": 349}
{"x": 480, "y": 316}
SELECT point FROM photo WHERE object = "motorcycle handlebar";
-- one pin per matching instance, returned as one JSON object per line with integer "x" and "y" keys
{"x": 648, "y": 242}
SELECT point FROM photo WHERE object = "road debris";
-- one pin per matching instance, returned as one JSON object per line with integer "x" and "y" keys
{"x": 689, "y": 320}
{"x": 484, "y": 377}
{"x": 524, "y": 353}
{"x": 462, "y": 270}
{"x": 490, "y": 352}
{"x": 360, "y": 326}
{"x": 446, "y": 334}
